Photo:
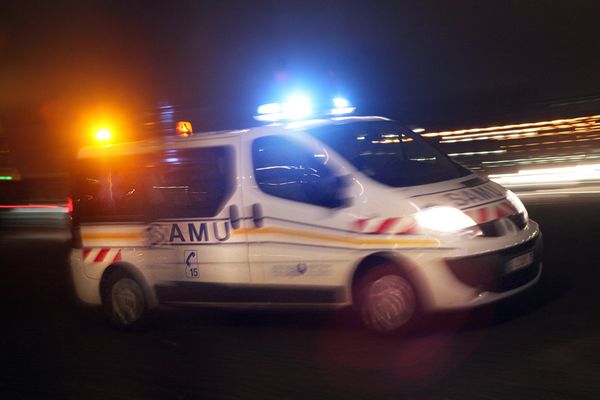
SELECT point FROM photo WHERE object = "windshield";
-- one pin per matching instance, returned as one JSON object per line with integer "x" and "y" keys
{"x": 389, "y": 153}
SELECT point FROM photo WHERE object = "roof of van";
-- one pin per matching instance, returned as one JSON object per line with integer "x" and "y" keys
{"x": 175, "y": 142}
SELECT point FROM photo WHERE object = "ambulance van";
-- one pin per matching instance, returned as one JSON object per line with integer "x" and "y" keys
{"x": 343, "y": 211}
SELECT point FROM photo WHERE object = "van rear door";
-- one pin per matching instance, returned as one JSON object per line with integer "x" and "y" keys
{"x": 193, "y": 206}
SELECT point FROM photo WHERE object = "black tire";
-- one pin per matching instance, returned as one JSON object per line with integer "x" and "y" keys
{"x": 385, "y": 300}
{"x": 125, "y": 302}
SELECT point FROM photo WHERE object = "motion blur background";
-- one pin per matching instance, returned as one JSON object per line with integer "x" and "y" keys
{"x": 487, "y": 80}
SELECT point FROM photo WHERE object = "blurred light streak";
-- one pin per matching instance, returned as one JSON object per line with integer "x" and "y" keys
{"x": 361, "y": 118}
{"x": 559, "y": 192}
{"x": 542, "y": 160}
{"x": 34, "y": 208}
{"x": 588, "y": 139}
{"x": 476, "y": 153}
{"x": 581, "y": 126}
{"x": 15, "y": 206}
{"x": 556, "y": 176}
{"x": 592, "y": 119}
{"x": 466, "y": 138}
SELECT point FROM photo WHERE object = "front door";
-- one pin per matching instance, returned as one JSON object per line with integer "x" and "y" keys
{"x": 300, "y": 231}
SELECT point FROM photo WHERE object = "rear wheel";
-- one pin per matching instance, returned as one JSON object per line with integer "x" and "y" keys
{"x": 124, "y": 301}
{"x": 386, "y": 301}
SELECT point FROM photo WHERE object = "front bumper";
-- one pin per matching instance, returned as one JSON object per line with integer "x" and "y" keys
{"x": 460, "y": 282}
{"x": 493, "y": 272}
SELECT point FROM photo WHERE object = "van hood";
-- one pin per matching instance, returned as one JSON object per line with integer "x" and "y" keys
{"x": 480, "y": 198}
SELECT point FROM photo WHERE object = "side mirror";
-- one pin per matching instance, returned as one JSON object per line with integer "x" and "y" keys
{"x": 346, "y": 202}
{"x": 330, "y": 191}
{"x": 343, "y": 182}
{"x": 340, "y": 199}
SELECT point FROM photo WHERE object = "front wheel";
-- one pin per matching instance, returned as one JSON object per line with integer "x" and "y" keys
{"x": 386, "y": 301}
{"x": 124, "y": 301}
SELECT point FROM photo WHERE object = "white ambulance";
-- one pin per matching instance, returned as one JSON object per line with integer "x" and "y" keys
{"x": 327, "y": 212}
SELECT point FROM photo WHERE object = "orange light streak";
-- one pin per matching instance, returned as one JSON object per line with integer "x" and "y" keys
{"x": 593, "y": 119}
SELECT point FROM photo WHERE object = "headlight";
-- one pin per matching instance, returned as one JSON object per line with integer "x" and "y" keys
{"x": 444, "y": 219}
{"x": 517, "y": 203}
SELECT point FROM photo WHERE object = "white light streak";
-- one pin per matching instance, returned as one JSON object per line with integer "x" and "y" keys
{"x": 554, "y": 176}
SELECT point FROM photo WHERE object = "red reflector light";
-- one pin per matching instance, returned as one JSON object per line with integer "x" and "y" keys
{"x": 70, "y": 205}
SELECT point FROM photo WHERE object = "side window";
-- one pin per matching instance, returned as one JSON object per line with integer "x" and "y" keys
{"x": 287, "y": 169}
{"x": 190, "y": 183}
{"x": 176, "y": 184}
{"x": 108, "y": 189}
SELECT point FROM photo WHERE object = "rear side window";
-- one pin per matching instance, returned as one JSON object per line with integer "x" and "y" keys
{"x": 108, "y": 189}
{"x": 174, "y": 184}
{"x": 190, "y": 183}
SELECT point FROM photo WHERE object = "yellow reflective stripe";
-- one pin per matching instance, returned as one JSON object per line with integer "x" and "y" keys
{"x": 341, "y": 239}
{"x": 92, "y": 236}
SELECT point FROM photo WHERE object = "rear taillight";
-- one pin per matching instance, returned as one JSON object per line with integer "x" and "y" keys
{"x": 70, "y": 206}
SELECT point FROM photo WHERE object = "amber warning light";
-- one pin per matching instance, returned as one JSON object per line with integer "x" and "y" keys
{"x": 184, "y": 128}
{"x": 103, "y": 135}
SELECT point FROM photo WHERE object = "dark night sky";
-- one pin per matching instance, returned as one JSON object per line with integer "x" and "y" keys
{"x": 429, "y": 62}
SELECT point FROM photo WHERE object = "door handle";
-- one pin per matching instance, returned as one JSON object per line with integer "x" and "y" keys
{"x": 257, "y": 215}
{"x": 234, "y": 216}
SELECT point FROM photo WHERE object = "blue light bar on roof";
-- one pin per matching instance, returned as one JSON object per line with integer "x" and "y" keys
{"x": 296, "y": 106}
{"x": 270, "y": 108}
{"x": 299, "y": 106}
{"x": 341, "y": 106}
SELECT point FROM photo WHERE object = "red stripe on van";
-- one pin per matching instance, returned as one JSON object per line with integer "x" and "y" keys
{"x": 86, "y": 252}
{"x": 408, "y": 230}
{"x": 505, "y": 209}
{"x": 101, "y": 255}
{"x": 360, "y": 224}
{"x": 386, "y": 225}
{"x": 483, "y": 215}
{"x": 118, "y": 256}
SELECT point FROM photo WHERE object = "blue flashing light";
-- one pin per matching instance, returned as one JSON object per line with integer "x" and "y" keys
{"x": 340, "y": 102}
{"x": 271, "y": 108}
{"x": 341, "y": 106}
{"x": 297, "y": 107}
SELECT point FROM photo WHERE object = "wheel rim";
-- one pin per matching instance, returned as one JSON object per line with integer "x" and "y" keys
{"x": 127, "y": 301}
{"x": 389, "y": 303}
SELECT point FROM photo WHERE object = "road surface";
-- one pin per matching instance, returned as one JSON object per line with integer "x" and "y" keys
{"x": 544, "y": 344}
